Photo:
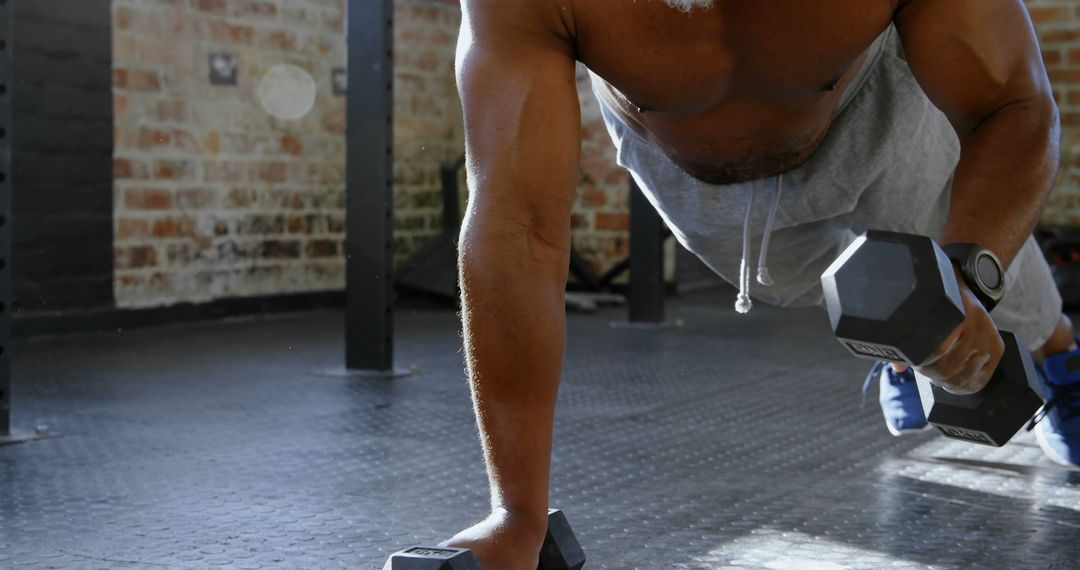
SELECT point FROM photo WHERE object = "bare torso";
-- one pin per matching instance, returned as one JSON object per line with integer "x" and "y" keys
{"x": 743, "y": 90}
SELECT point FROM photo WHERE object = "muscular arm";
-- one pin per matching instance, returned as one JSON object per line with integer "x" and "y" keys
{"x": 979, "y": 62}
{"x": 522, "y": 133}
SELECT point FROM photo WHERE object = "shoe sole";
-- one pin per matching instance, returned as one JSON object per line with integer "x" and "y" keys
{"x": 1049, "y": 450}
{"x": 899, "y": 432}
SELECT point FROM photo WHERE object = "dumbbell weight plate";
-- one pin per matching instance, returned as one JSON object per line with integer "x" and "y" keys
{"x": 892, "y": 296}
{"x": 433, "y": 558}
{"x": 560, "y": 551}
{"x": 994, "y": 414}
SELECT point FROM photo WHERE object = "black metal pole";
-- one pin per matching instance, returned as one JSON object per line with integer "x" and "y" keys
{"x": 646, "y": 290}
{"x": 369, "y": 187}
{"x": 7, "y": 64}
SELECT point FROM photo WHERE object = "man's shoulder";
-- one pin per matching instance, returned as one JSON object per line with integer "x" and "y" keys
{"x": 553, "y": 18}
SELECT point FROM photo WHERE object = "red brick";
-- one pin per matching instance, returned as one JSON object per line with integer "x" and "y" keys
{"x": 121, "y": 106}
{"x": 334, "y": 121}
{"x": 195, "y": 198}
{"x": 617, "y": 177}
{"x": 185, "y": 141}
{"x": 183, "y": 25}
{"x": 1063, "y": 76}
{"x": 1042, "y": 14}
{"x": 321, "y": 248}
{"x": 291, "y": 145}
{"x": 135, "y": 257}
{"x": 123, "y": 18}
{"x": 123, "y": 48}
{"x": 136, "y": 80}
{"x": 211, "y": 6}
{"x": 1051, "y": 57}
{"x": 171, "y": 111}
{"x": 231, "y": 33}
{"x": 279, "y": 249}
{"x": 168, "y": 169}
{"x": 1059, "y": 36}
{"x": 130, "y": 280}
{"x": 270, "y": 172}
{"x": 224, "y": 171}
{"x": 285, "y": 199}
{"x": 612, "y": 221}
{"x": 297, "y": 224}
{"x": 131, "y": 228}
{"x": 212, "y": 142}
{"x": 150, "y": 139}
{"x": 283, "y": 40}
{"x": 172, "y": 227}
{"x": 261, "y": 224}
{"x": 179, "y": 253}
{"x": 241, "y": 198}
{"x": 1070, "y": 119}
{"x": 248, "y": 8}
{"x": 127, "y": 168}
{"x": 594, "y": 197}
{"x": 303, "y": 173}
{"x": 148, "y": 199}
{"x": 336, "y": 224}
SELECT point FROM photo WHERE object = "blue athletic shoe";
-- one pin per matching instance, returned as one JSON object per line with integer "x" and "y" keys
{"x": 1058, "y": 429}
{"x": 898, "y": 395}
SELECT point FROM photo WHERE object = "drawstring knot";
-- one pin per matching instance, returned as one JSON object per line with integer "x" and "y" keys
{"x": 743, "y": 304}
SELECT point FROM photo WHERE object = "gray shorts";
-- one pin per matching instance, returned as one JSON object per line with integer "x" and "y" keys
{"x": 886, "y": 163}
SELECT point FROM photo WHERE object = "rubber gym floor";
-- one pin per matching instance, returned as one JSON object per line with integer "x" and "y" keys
{"x": 727, "y": 442}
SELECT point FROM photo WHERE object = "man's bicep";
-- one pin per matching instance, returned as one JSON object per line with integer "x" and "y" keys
{"x": 522, "y": 123}
{"x": 972, "y": 57}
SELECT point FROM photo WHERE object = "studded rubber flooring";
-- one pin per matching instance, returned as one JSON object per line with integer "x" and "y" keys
{"x": 727, "y": 442}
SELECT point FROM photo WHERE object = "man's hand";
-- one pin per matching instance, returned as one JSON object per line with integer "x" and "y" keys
{"x": 504, "y": 540}
{"x": 966, "y": 360}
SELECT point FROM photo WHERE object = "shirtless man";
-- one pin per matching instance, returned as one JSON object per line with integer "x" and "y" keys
{"x": 924, "y": 116}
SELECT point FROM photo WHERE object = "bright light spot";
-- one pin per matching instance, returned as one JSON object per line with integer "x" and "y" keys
{"x": 287, "y": 92}
{"x": 788, "y": 550}
{"x": 1018, "y": 471}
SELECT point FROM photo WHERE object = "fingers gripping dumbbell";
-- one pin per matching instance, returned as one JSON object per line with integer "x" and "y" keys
{"x": 560, "y": 551}
{"x": 893, "y": 296}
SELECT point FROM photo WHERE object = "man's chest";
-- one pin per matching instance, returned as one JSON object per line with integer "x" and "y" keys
{"x": 783, "y": 52}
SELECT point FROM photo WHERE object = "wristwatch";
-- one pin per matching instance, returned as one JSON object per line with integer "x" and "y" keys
{"x": 981, "y": 270}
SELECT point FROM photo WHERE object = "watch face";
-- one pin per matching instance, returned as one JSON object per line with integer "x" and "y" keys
{"x": 988, "y": 271}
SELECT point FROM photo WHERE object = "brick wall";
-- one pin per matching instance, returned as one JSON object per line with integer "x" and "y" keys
{"x": 428, "y": 128}
{"x": 1058, "y": 26}
{"x": 601, "y": 217}
{"x": 214, "y": 195}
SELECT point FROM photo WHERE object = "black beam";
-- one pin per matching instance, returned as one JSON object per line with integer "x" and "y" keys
{"x": 645, "y": 294}
{"x": 451, "y": 216}
{"x": 7, "y": 63}
{"x": 369, "y": 187}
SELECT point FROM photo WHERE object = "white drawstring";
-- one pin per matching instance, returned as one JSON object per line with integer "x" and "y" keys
{"x": 743, "y": 304}
{"x": 763, "y": 276}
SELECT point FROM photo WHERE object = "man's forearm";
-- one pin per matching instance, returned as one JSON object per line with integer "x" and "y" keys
{"x": 515, "y": 330}
{"x": 1006, "y": 172}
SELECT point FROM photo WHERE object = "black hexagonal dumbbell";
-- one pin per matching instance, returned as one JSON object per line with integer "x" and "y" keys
{"x": 560, "y": 551}
{"x": 893, "y": 296}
